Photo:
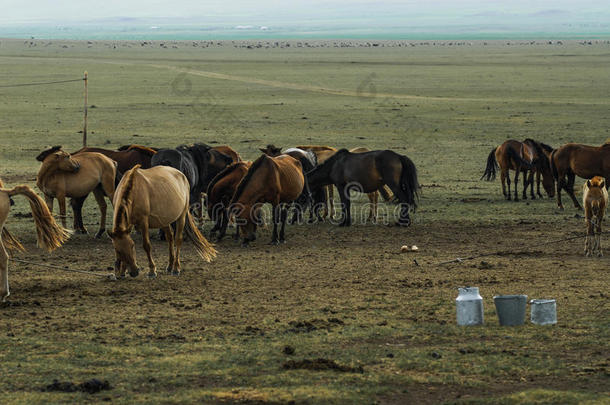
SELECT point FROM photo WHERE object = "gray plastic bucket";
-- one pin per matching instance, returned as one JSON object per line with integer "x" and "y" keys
{"x": 543, "y": 312}
{"x": 511, "y": 309}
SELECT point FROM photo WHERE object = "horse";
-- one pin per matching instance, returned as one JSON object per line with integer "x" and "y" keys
{"x": 584, "y": 161}
{"x": 595, "y": 201}
{"x": 374, "y": 196}
{"x": 276, "y": 180}
{"x": 308, "y": 162}
{"x": 229, "y": 151}
{"x": 541, "y": 167}
{"x": 369, "y": 171}
{"x": 220, "y": 191}
{"x": 63, "y": 175}
{"x": 127, "y": 158}
{"x": 148, "y": 199}
{"x": 198, "y": 162}
{"x": 49, "y": 234}
{"x": 323, "y": 153}
{"x": 511, "y": 155}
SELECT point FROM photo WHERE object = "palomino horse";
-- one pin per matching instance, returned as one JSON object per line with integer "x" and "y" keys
{"x": 276, "y": 180}
{"x": 149, "y": 199}
{"x": 50, "y": 235}
{"x": 220, "y": 191}
{"x": 541, "y": 167}
{"x": 584, "y": 161}
{"x": 595, "y": 200}
{"x": 367, "y": 172}
{"x": 62, "y": 175}
{"x": 511, "y": 155}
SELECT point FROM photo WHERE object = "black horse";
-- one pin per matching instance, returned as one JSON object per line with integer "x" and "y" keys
{"x": 367, "y": 172}
{"x": 198, "y": 162}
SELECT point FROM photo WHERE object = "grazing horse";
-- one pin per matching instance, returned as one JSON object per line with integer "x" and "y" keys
{"x": 595, "y": 201}
{"x": 308, "y": 162}
{"x": 49, "y": 234}
{"x": 367, "y": 172}
{"x": 511, "y": 155}
{"x": 542, "y": 168}
{"x": 125, "y": 159}
{"x": 584, "y": 161}
{"x": 62, "y": 175}
{"x": 220, "y": 191}
{"x": 276, "y": 180}
{"x": 148, "y": 199}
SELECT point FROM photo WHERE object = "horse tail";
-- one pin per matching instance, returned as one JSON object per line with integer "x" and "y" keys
{"x": 408, "y": 181}
{"x": 553, "y": 166}
{"x": 492, "y": 166}
{"x": 11, "y": 243}
{"x": 386, "y": 193}
{"x": 204, "y": 248}
{"x": 50, "y": 235}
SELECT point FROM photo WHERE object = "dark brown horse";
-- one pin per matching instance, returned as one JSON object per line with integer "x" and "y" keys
{"x": 125, "y": 159}
{"x": 220, "y": 191}
{"x": 541, "y": 168}
{"x": 511, "y": 155}
{"x": 229, "y": 151}
{"x": 276, "y": 180}
{"x": 584, "y": 161}
{"x": 367, "y": 172}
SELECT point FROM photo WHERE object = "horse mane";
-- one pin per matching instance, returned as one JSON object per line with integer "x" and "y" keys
{"x": 539, "y": 146}
{"x": 224, "y": 172}
{"x": 142, "y": 149}
{"x": 43, "y": 155}
{"x": 128, "y": 178}
{"x": 244, "y": 182}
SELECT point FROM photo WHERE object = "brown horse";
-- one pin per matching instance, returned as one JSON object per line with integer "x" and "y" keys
{"x": 595, "y": 200}
{"x": 323, "y": 153}
{"x": 374, "y": 196}
{"x": 220, "y": 191}
{"x": 541, "y": 168}
{"x": 584, "y": 161}
{"x": 62, "y": 175}
{"x": 149, "y": 199}
{"x": 127, "y": 158}
{"x": 276, "y": 180}
{"x": 229, "y": 151}
{"x": 511, "y": 155}
{"x": 50, "y": 235}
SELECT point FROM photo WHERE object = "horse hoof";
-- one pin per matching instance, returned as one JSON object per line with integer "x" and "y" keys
{"x": 176, "y": 273}
{"x": 134, "y": 273}
{"x": 274, "y": 243}
{"x": 244, "y": 245}
{"x": 99, "y": 234}
{"x": 152, "y": 275}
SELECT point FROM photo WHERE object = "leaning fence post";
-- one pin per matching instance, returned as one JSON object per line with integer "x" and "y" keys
{"x": 85, "y": 125}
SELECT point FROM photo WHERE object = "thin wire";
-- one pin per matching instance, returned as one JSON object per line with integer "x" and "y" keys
{"x": 106, "y": 275}
{"x": 40, "y": 83}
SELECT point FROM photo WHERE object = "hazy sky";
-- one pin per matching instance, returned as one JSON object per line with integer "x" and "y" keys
{"x": 80, "y": 11}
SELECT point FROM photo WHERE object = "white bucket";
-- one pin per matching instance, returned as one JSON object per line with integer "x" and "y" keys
{"x": 543, "y": 312}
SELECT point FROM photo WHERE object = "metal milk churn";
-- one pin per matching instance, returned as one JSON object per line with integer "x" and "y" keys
{"x": 469, "y": 306}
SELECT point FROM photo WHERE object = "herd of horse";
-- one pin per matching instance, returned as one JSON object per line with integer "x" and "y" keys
{"x": 162, "y": 188}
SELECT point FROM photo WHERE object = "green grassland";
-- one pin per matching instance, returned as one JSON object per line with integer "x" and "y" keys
{"x": 217, "y": 333}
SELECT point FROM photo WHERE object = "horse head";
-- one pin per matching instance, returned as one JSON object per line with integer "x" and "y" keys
{"x": 271, "y": 150}
{"x": 58, "y": 159}
{"x": 125, "y": 252}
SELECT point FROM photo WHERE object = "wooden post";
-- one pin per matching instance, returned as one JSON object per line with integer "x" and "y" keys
{"x": 85, "y": 126}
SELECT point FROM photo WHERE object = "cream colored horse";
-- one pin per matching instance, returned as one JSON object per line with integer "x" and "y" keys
{"x": 595, "y": 201}
{"x": 63, "y": 175}
{"x": 50, "y": 235}
{"x": 153, "y": 199}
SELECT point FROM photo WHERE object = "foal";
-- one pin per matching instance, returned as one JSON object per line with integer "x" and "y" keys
{"x": 595, "y": 200}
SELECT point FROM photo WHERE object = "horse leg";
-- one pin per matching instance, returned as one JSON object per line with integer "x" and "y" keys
{"x": 276, "y": 218}
{"x": 101, "y": 202}
{"x": 284, "y": 213}
{"x": 170, "y": 243}
{"x": 4, "y": 290}
{"x": 517, "y": 182}
{"x": 538, "y": 184}
{"x": 61, "y": 200}
{"x": 560, "y": 185}
{"x": 346, "y": 219}
{"x": 224, "y": 222}
{"x": 598, "y": 234}
{"x": 588, "y": 240}
{"x": 77, "y": 209}
{"x": 152, "y": 268}
{"x": 507, "y": 176}
{"x": 530, "y": 183}
{"x": 331, "y": 201}
{"x": 570, "y": 190}
{"x": 179, "y": 237}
